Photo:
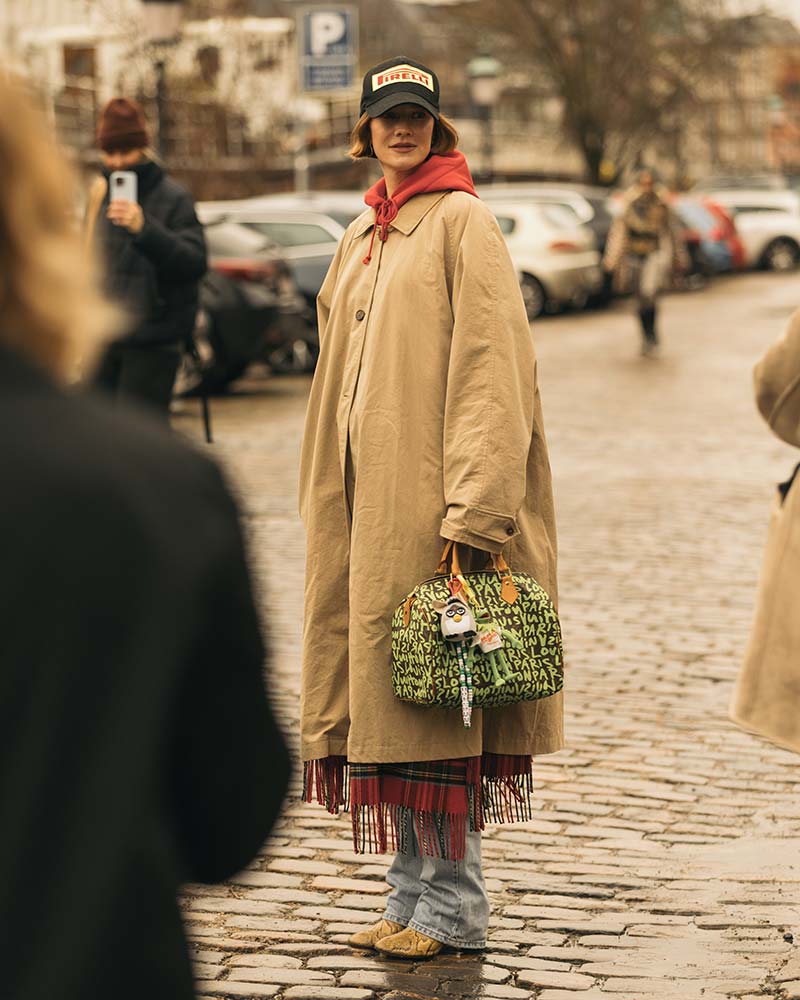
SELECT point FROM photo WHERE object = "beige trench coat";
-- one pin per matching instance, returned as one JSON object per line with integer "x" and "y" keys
{"x": 767, "y": 695}
{"x": 424, "y": 423}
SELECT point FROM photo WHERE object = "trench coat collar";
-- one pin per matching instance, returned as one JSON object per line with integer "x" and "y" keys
{"x": 408, "y": 217}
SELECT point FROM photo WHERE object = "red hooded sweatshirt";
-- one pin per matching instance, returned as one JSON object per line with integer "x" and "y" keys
{"x": 440, "y": 172}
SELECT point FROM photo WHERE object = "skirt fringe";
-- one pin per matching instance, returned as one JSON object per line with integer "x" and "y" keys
{"x": 497, "y": 791}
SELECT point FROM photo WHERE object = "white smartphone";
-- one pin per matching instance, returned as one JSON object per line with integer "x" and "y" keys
{"x": 123, "y": 186}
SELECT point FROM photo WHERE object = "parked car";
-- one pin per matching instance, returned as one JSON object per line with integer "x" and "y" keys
{"x": 250, "y": 309}
{"x": 727, "y": 229}
{"x": 342, "y": 206}
{"x": 556, "y": 257}
{"x": 589, "y": 204}
{"x": 771, "y": 240}
{"x": 752, "y": 200}
{"x": 308, "y": 240}
{"x": 706, "y": 239}
{"x": 769, "y": 225}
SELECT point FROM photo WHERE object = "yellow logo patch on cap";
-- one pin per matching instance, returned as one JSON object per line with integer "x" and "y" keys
{"x": 401, "y": 74}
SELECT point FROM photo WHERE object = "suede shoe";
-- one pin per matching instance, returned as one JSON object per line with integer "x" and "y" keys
{"x": 409, "y": 943}
{"x": 369, "y": 937}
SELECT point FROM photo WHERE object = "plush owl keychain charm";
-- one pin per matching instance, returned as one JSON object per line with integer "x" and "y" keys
{"x": 459, "y": 629}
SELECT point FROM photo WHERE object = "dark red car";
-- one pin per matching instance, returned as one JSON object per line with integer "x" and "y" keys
{"x": 726, "y": 230}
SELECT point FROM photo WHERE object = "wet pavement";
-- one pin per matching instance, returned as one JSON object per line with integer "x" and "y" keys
{"x": 664, "y": 860}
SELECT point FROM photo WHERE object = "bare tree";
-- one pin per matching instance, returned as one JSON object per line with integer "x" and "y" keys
{"x": 625, "y": 67}
{"x": 622, "y": 69}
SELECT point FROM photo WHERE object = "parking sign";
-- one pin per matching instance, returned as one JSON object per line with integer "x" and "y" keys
{"x": 327, "y": 38}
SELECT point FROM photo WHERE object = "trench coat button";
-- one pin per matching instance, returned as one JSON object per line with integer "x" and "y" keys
{"x": 360, "y": 314}
{"x": 509, "y": 530}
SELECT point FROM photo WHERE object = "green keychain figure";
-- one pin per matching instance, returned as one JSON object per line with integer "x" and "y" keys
{"x": 458, "y": 629}
{"x": 489, "y": 640}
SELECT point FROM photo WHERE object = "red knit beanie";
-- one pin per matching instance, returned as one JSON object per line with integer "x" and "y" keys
{"x": 121, "y": 126}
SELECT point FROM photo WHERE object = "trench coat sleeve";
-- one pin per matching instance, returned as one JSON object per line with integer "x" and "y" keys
{"x": 491, "y": 386}
{"x": 228, "y": 764}
{"x": 325, "y": 294}
{"x": 179, "y": 249}
{"x": 777, "y": 384}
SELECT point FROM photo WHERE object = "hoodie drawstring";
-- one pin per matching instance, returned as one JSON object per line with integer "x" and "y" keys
{"x": 385, "y": 212}
{"x": 440, "y": 172}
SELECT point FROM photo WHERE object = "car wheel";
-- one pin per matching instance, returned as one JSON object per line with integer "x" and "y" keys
{"x": 580, "y": 300}
{"x": 204, "y": 374}
{"x": 782, "y": 255}
{"x": 533, "y": 295}
{"x": 296, "y": 358}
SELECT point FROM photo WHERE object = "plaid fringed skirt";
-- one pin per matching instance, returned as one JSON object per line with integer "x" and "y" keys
{"x": 441, "y": 798}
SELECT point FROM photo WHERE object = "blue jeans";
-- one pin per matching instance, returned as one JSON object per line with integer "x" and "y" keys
{"x": 446, "y": 900}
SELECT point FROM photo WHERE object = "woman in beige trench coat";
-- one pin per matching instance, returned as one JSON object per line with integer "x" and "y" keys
{"x": 767, "y": 695}
{"x": 424, "y": 424}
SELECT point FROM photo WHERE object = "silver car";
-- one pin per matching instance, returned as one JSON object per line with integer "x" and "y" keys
{"x": 556, "y": 258}
{"x": 768, "y": 224}
{"x": 308, "y": 239}
{"x": 342, "y": 206}
{"x": 770, "y": 239}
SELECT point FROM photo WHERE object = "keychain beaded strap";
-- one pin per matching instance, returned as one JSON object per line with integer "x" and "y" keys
{"x": 465, "y": 684}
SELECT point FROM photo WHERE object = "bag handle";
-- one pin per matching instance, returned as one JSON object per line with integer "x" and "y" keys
{"x": 508, "y": 589}
{"x": 441, "y": 569}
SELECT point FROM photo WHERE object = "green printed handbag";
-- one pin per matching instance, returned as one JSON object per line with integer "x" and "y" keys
{"x": 483, "y": 639}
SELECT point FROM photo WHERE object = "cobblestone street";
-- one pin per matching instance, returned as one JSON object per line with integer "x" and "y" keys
{"x": 664, "y": 860}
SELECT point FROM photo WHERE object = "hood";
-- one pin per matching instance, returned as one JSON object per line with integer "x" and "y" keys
{"x": 440, "y": 172}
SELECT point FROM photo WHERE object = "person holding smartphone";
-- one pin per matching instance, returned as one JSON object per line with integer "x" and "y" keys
{"x": 153, "y": 253}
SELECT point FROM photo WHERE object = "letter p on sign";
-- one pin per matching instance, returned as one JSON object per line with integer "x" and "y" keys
{"x": 327, "y": 28}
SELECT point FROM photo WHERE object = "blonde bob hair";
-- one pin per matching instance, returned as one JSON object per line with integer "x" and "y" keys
{"x": 50, "y": 309}
{"x": 445, "y": 138}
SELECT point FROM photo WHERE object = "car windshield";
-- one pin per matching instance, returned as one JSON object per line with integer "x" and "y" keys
{"x": 560, "y": 216}
{"x": 695, "y": 215}
{"x": 507, "y": 225}
{"x": 601, "y": 212}
{"x": 343, "y": 217}
{"x": 292, "y": 234}
{"x": 231, "y": 239}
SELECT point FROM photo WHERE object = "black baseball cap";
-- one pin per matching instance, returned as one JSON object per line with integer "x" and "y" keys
{"x": 399, "y": 81}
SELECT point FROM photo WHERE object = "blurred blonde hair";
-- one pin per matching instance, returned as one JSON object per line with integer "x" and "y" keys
{"x": 445, "y": 138}
{"x": 51, "y": 311}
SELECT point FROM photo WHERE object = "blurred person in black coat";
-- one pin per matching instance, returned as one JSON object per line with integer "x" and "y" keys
{"x": 153, "y": 253}
{"x": 138, "y": 746}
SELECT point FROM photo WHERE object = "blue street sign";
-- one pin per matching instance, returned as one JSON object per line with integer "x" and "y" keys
{"x": 327, "y": 43}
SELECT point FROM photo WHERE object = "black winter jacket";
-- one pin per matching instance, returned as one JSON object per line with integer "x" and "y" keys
{"x": 154, "y": 274}
{"x": 137, "y": 745}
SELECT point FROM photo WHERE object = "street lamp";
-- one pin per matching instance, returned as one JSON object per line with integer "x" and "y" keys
{"x": 306, "y": 111}
{"x": 483, "y": 75}
{"x": 162, "y": 24}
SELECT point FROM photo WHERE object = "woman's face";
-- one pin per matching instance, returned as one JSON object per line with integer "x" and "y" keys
{"x": 646, "y": 182}
{"x": 401, "y": 138}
